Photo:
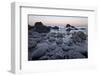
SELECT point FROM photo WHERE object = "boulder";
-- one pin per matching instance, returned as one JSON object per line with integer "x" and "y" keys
{"x": 68, "y": 25}
{"x": 36, "y": 54}
{"x": 41, "y": 28}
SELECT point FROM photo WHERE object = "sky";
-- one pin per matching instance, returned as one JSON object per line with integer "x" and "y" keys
{"x": 58, "y": 20}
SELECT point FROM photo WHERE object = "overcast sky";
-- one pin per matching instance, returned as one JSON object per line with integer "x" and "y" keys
{"x": 58, "y": 20}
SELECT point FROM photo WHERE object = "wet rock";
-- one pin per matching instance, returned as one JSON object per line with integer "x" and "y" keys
{"x": 44, "y": 58}
{"x": 68, "y": 25}
{"x": 82, "y": 49}
{"x": 68, "y": 29}
{"x": 52, "y": 46}
{"x": 40, "y": 50}
{"x": 57, "y": 53}
{"x": 52, "y": 34}
{"x": 60, "y": 35}
{"x": 36, "y": 35}
{"x": 31, "y": 43}
{"x": 59, "y": 41}
{"x": 55, "y": 28}
{"x": 36, "y": 54}
{"x": 41, "y": 28}
{"x": 66, "y": 47}
{"x": 74, "y": 55}
{"x": 44, "y": 46}
{"x": 51, "y": 39}
{"x": 78, "y": 36}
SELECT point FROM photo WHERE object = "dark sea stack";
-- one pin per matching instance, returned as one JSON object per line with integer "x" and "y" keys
{"x": 41, "y": 28}
{"x": 68, "y": 25}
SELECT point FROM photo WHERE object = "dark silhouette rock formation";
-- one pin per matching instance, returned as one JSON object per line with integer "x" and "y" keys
{"x": 41, "y": 28}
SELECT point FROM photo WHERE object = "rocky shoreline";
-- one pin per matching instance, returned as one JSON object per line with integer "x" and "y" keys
{"x": 46, "y": 45}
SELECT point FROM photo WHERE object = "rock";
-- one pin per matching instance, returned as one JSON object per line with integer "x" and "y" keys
{"x": 43, "y": 34}
{"x": 44, "y": 46}
{"x": 55, "y": 28}
{"x": 41, "y": 28}
{"x": 68, "y": 25}
{"x": 36, "y": 35}
{"x": 68, "y": 29}
{"x": 40, "y": 51}
{"x": 31, "y": 43}
{"x": 82, "y": 49}
{"x": 74, "y": 55}
{"x": 44, "y": 58}
{"x": 51, "y": 39}
{"x": 30, "y": 27}
{"x": 66, "y": 47}
{"x": 60, "y": 35}
{"x": 82, "y": 28}
{"x": 78, "y": 36}
{"x": 57, "y": 53}
{"x": 74, "y": 28}
{"x": 52, "y": 46}
{"x": 59, "y": 41}
{"x": 36, "y": 54}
